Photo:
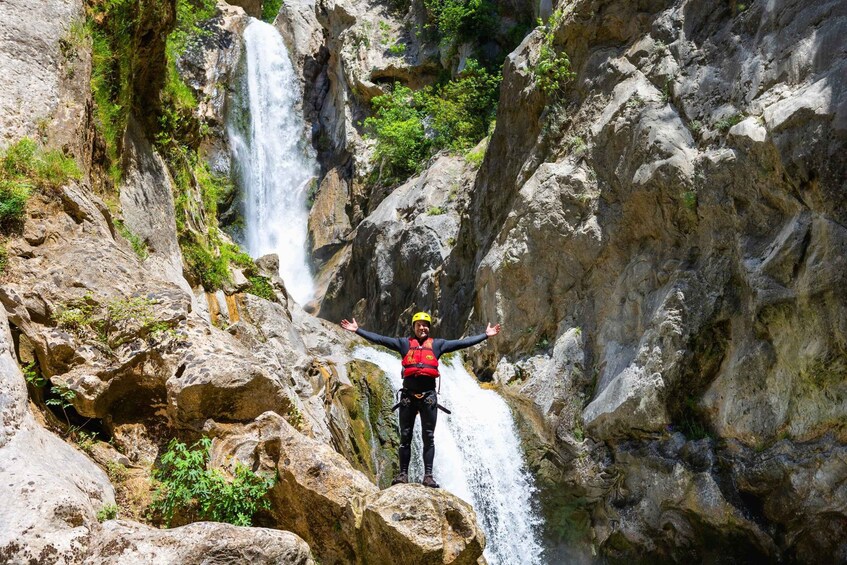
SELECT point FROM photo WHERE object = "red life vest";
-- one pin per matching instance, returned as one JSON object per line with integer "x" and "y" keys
{"x": 420, "y": 361}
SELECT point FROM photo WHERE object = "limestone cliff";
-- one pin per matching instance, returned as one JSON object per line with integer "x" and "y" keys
{"x": 664, "y": 242}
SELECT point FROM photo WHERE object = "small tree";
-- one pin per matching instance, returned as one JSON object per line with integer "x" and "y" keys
{"x": 190, "y": 491}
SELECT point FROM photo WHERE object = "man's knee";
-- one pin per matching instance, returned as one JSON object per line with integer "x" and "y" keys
{"x": 405, "y": 436}
{"x": 428, "y": 436}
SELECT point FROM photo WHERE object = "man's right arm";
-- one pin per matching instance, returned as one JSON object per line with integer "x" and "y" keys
{"x": 393, "y": 343}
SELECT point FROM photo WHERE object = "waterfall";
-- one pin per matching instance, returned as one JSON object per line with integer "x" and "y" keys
{"x": 274, "y": 165}
{"x": 478, "y": 458}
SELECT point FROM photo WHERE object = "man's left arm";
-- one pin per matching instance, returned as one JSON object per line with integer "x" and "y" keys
{"x": 449, "y": 345}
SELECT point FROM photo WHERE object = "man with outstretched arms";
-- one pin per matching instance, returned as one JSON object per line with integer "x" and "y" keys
{"x": 420, "y": 355}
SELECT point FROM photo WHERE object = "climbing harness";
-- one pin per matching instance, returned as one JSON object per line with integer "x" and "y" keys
{"x": 404, "y": 398}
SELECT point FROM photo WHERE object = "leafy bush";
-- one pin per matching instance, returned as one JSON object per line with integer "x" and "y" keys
{"x": 63, "y": 398}
{"x": 409, "y": 126}
{"x": 553, "y": 69}
{"x": 111, "y": 24}
{"x": 24, "y": 167}
{"x": 108, "y": 512}
{"x": 461, "y": 109}
{"x": 261, "y": 287}
{"x": 189, "y": 491}
{"x": 270, "y": 9}
{"x": 461, "y": 21}
{"x": 397, "y": 126}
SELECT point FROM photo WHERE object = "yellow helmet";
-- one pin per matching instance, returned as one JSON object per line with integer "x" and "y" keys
{"x": 422, "y": 316}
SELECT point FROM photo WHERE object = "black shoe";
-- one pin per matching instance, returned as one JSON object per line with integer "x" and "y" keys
{"x": 400, "y": 479}
{"x": 428, "y": 481}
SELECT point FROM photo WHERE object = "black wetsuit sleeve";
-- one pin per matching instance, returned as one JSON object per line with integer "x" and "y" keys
{"x": 442, "y": 346}
{"x": 394, "y": 343}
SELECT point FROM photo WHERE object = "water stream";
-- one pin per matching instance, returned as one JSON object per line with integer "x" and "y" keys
{"x": 478, "y": 458}
{"x": 273, "y": 162}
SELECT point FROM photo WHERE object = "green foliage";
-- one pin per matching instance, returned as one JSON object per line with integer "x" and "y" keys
{"x": 4, "y": 258}
{"x": 111, "y": 24}
{"x": 461, "y": 110}
{"x": 397, "y": 49}
{"x": 270, "y": 9}
{"x": 103, "y": 325}
{"x": 295, "y": 417}
{"x": 24, "y": 167}
{"x": 461, "y": 21}
{"x": 209, "y": 268}
{"x": 475, "y": 156}
{"x": 689, "y": 199}
{"x": 397, "y": 126}
{"x": 435, "y": 211}
{"x": 635, "y": 101}
{"x": 63, "y": 398}
{"x": 457, "y": 116}
{"x": 553, "y": 69}
{"x": 108, "y": 512}
{"x": 189, "y": 491}
{"x": 695, "y": 126}
{"x": 77, "y": 314}
{"x": 578, "y": 145}
{"x": 138, "y": 244}
{"x": 33, "y": 376}
{"x": 261, "y": 287}
{"x": 724, "y": 124}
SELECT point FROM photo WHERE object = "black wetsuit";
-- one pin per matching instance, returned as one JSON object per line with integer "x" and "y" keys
{"x": 421, "y": 395}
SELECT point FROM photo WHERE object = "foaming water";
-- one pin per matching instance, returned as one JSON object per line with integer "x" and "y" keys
{"x": 478, "y": 458}
{"x": 274, "y": 164}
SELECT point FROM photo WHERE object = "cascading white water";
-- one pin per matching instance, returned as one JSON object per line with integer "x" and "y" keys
{"x": 478, "y": 458}
{"x": 275, "y": 165}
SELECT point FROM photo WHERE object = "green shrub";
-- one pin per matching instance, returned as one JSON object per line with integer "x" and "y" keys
{"x": 111, "y": 24}
{"x": 724, "y": 124}
{"x": 24, "y": 167}
{"x": 209, "y": 269}
{"x": 553, "y": 69}
{"x": 461, "y": 21}
{"x": 475, "y": 156}
{"x": 63, "y": 397}
{"x": 189, "y": 491}
{"x": 261, "y": 287}
{"x": 435, "y": 211}
{"x": 462, "y": 108}
{"x": 397, "y": 126}
{"x": 33, "y": 376}
{"x": 270, "y": 9}
{"x": 457, "y": 115}
{"x": 108, "y": 512}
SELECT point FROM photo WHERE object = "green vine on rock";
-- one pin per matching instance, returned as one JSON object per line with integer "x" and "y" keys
{"x": 552, "y": 71}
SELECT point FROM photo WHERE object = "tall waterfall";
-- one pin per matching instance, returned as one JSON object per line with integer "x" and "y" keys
{"x": 274, "y": 163}
{"x": 477, "y": 458}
